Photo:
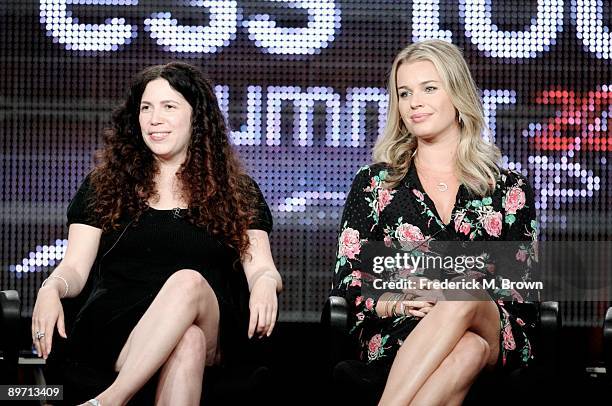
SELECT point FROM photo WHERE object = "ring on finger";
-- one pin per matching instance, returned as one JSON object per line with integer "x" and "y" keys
{"x": 39, "y": 335}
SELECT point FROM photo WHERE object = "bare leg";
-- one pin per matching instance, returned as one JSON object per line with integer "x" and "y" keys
{"x": 180, "y": 380}
{"x": 432, "y": 341}
{"x": 449, "y": 384}
{"x": 185, "y": 299}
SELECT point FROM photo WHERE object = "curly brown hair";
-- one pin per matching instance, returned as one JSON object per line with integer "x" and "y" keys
{"x": 219, "y": 194}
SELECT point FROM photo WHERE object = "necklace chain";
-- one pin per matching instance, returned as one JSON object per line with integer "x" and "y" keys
{"x": 441, "y": 186}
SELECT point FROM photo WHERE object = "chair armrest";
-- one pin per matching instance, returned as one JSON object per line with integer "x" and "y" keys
{"x": 550, "y": 317}
{"x": 334, "y": 320}
{"x": 549, "y": 335}
{"x": 607, "y": 337}
{"x": 10, "y": 314}
{"x": 335, "y": 314}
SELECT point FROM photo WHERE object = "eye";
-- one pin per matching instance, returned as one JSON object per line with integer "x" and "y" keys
{"x": 403, "y": 93}
{"x": 169, "y": 106}
{"x": 430, "y": 89}
{"x": 144, "y": 108}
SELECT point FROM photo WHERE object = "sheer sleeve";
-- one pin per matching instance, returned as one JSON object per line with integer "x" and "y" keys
{"x": 520, "y": 224}
{"x": 80, "y": 209}
{"x": 359, "y": 219}
{"x": 519, "y": 209}
{"x": 517, "y": 308}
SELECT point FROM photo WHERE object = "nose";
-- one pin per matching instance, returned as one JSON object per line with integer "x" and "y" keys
{"x": 156, "y": 117}
{"x": 415, "y": 101}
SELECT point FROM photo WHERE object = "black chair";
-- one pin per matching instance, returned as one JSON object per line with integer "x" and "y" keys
{"x": 10, "y": 308}
{"x": 364, "y": 384}
{"x": 251, "y": 381}
{"x": 607, "y": 341}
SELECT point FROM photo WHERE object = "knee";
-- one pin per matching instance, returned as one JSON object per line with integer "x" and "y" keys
{"x": 471, "y": 352}
{"x": 192, "y": 346}
{"x": 465, "y": 311}
{"x": 190, "y": 284}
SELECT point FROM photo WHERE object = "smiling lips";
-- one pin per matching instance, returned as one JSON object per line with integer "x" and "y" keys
{"x": 158, "y": 135}
{"x": 419, "y": 117}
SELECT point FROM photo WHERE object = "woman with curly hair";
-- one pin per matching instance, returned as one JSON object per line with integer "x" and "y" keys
{"x": 435, "y": 178}
{"x": 177, "y": 236}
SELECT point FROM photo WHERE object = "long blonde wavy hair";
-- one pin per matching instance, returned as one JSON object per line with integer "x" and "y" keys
{"x": 476, "y": 160}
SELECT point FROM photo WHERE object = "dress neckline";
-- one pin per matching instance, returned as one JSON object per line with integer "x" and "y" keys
{"x": 413, "y": 176}
{"x": 173, "y": 209}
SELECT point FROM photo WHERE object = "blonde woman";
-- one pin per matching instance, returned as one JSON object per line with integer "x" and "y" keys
{"x": 435, "y": 178}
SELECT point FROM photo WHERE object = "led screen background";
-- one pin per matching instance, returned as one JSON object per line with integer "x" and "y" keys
{"x": 303, "y": 87}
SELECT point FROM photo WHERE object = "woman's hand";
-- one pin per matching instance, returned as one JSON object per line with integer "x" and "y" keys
{"x": 419, "y": 307}
{"x": 48, "y": 313}
{"x": 419, "y": 299}
{"x": 263, "y": 305}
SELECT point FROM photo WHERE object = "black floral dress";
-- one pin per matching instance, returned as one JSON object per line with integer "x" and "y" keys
{"x": 406, "y": 213}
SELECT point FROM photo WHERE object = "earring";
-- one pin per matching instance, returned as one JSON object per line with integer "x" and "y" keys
{"x": 460, "y": 119}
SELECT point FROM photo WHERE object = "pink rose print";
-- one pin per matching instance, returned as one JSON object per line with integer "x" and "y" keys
{"x": 465, "y": 228}
{"x": 516, "y": 296}
{"x": 374, "y": 345}
{"x": 515, "y": 200}
{"x": 520, "y": 321}
{"x": 521, "y": 255}
{"x": 371, "y": 187}
{"x": 388, "y": 241}
{"x": 358, "y": 300}
{"x": 508, "y": 338}
{"x": 360, "y": 316}
{"x": 408, "y": 232}
{"x": 492, "y": 222}
{"x": 458, "y": 219}
{"x": 384, "y": 198}
{"x": 406, "y": 272}
{"x": 349, "y": 243}
{"x": 418, "y": 194}
{"x": 356, "y": 278}
{"x": 369, "y": 304}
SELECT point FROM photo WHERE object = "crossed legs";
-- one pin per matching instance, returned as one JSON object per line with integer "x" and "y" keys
{"x": 178, "y": 333}
{"x": 444, "y": 354}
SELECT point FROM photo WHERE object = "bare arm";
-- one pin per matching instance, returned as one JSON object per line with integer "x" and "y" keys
{"x": 264, "y": 284}
{"x": 83, "y": 243}
{"x": 259, "y": 262}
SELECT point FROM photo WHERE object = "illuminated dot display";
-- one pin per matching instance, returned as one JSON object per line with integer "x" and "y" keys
{"x": 302, "y": 84}
{"x": 66, "y": 29}
{"x": 44, "y": 256}
{"x": 174, "y": 37}
{"x": 323, "y": 21}
{"x": 541, "y": 34}
{"x": 580, "y": 123}
{"x": 596, "y": 37}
